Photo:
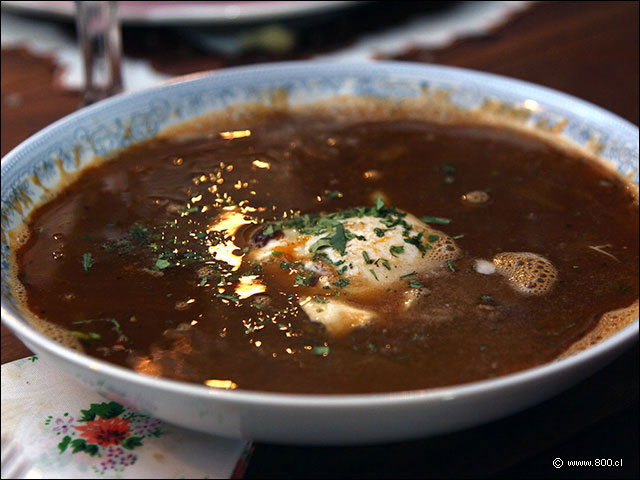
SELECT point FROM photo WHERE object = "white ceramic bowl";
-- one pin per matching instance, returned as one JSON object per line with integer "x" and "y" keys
{"x": 301, "y": 419}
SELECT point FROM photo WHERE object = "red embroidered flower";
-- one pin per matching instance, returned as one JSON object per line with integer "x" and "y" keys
{"x": 105, "y": 432}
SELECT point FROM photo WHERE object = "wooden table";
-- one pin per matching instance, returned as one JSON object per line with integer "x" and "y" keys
{"x": 587, "y": 49}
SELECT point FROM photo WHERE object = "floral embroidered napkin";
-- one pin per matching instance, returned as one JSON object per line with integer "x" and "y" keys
{"x": 53, "y": 427}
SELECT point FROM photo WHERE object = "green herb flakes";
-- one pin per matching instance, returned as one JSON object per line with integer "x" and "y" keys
{"x": 339, "y": 239}
{"x": 268, "y": 230}
{"x": 396, "y": 249}
{"x": 231, "y": 298}
{"x": 435, "y": 220}
{"x": 87, "y": 261}
{"x": 343, "y": 282}
{"x": 409, "y": 275}
{"x": 303, "y": 278}
{"x": 450, "y": 266}
{"x": 379, "y": 204}
{"x": 161, "y": 264}
{"x": 367, "y": 260}
{"x": 416, "y": 284}
{"x": 320, "y": 350}
{"x": 86, "y": 336}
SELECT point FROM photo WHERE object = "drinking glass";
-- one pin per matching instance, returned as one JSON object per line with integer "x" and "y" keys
{"x": 99, "y": 40}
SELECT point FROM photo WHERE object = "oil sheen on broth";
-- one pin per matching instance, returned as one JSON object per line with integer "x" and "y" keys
{"x": 308, "y": 254}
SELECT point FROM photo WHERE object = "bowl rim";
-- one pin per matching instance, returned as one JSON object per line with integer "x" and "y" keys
{"x": 615, "y": 343}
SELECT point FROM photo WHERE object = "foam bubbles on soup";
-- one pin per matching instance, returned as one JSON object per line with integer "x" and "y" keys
{"x": 528, "y": 273}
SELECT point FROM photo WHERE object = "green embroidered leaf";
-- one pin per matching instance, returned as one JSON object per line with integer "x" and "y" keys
{"x": 92, "y": 449}
{"x": 103, "y": 410}
{"x": 78, "y": 445}
{"x": 132, "y": 442}
{"x": 87, "y": 415}
{"x": 62, "y": 446}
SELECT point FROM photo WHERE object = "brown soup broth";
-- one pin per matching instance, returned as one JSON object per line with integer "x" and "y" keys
{"x": 118, "y": 257}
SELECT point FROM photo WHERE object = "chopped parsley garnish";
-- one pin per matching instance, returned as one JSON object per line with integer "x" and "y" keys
{"x": 374, "y": 274}
{"x": 320, "y": 243}
{"x": 409, "y": 275}
{"x": 339, "y": 239}
{"x": 303, "y": 278}
{"x": 286, "y": 265}
{"x": 449, "y": 169}
{"x": 385, "y": 264}
{"x": 115, "y": 325}
{"x": 487, "y": 298}
{"x": 416, "y": 241}
{"x": 379, "y": 204}
{"x": 275, "y": 253}
{"x": 435, "y": 220}
{"x": 189, "y": 210}
{"x": 623, "y": 288}
{"x": 323, "y": 257}
{"x": 86, "y": 336}
{"x": 268, "y": 230}
{"x": 449, "y": 172}
{"x": 458, "y": 237}
{"x": 161, "y": 264}
{"x": 379, "y": 231}
{"x": 87, "y": 261}
{"x": 433, "y": 238}
{"x": 320, "y": 350}
{"x": 396, "y": 249}
{"x": 203, "y": 281}
{"x": 416, "y": 284}
{"x": 450, "y": 266}
{"x": 319, "y": 299}
{"x": 231, "y": 298}
{"x": 343, "y": 282}
{"x": 367, "y": 260}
